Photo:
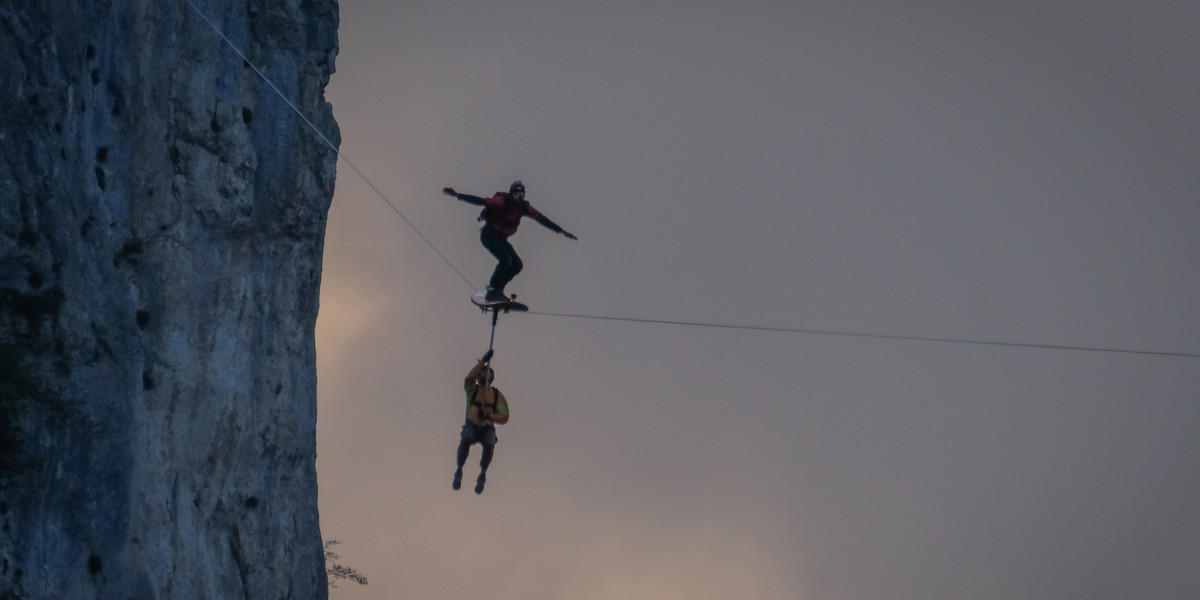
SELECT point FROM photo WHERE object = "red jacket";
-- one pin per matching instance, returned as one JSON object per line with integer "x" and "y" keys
{"x": 503, "y": 216}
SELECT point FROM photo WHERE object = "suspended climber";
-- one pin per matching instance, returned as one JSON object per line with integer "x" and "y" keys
{"x": 486, "y": 408}
{"x": 501, "y": 215}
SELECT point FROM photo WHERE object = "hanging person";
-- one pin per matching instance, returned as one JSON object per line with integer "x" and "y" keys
{"x": 486, "y": 408}
{"x": 501, "y": 215}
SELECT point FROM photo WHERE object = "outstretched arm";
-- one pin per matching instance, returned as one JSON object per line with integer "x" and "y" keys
{"x": 469, "y": 199}
{"x": 552, "y": 226}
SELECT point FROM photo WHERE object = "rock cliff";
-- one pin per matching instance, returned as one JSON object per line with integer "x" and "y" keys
{"x": 162, "y": 215}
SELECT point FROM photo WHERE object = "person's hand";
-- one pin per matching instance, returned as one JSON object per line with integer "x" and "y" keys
{"x": 570, "y": 236}
{"x": 450, "y": 192}
{"x": 487, "y": 356}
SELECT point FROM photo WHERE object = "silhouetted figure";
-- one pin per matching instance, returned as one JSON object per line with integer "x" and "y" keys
{"x": 501, "y": 215}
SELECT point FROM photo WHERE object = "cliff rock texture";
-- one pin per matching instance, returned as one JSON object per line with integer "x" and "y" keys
{"x": 162, "y": 215}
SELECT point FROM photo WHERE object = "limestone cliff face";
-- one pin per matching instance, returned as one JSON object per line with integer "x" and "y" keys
{"x": 162, "y": 214}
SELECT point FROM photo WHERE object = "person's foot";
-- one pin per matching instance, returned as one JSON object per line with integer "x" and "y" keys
{"x": 479, "y": 483}
{"x": 495, "y": 296}
{"x": 457, "y": 479}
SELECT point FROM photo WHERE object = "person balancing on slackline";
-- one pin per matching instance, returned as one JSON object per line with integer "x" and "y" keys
{"x": 501, "y": 215}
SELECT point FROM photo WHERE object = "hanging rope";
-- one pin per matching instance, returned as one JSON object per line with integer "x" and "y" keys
{"x": 325, "y": 139}
{"x": 495, "y": 316}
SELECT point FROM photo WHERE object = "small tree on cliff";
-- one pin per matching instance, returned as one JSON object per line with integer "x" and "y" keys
{"x": 337, "y": 571}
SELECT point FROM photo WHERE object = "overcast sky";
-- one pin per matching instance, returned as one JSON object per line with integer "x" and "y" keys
{"x": 1013, "y": 172}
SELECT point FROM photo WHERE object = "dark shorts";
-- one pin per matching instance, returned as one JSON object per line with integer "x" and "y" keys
{"x": 476, "y": 434}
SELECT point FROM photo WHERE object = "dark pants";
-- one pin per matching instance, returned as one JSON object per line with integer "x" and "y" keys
{"x": 474, "y": 434}
{"x": 509, "y": 263}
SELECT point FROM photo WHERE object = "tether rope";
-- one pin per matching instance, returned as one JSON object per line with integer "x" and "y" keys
{"x": 880, "y": 336}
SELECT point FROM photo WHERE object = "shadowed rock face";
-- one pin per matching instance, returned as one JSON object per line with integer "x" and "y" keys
{"x": 162, "y": 213}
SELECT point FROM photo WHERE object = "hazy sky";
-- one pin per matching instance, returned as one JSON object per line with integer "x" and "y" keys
{"x": 1021, "y": 171}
